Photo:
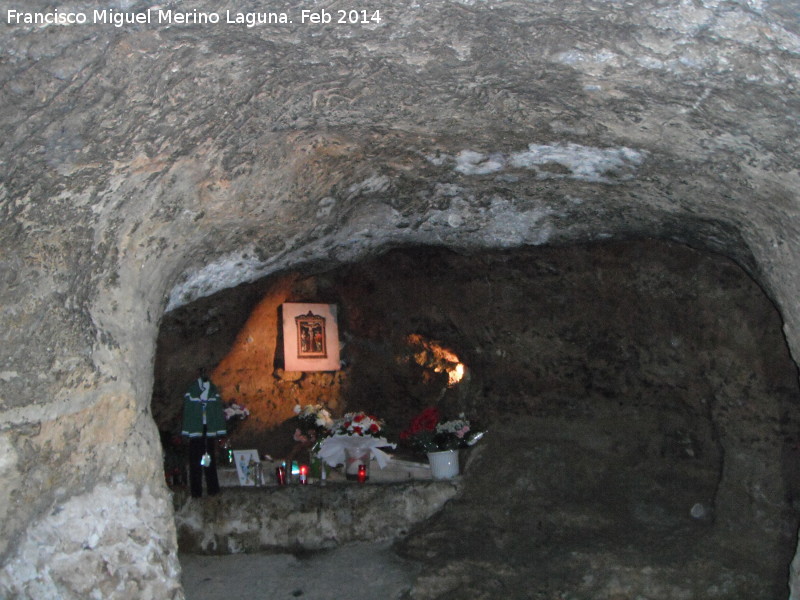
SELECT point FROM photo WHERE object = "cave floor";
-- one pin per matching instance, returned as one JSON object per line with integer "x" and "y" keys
{"x": 358, "y": 571}
{"x": 593, "y": 569}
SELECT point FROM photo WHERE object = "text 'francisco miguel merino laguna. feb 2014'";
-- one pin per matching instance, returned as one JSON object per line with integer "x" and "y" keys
{"x": 194, "y": 17}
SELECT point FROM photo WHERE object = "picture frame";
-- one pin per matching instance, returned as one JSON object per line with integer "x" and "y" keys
{"x": 310, "y": 337}
{"x": 248, "y": 467}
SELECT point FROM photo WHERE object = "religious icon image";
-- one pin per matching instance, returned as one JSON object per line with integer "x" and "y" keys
{"x": 310, "y": 337}
{"x": 311, "y": 341}
{"x": 248, "y": 467}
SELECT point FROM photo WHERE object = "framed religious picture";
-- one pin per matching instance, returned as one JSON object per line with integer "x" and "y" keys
{"x": 311, "y": 342}
{"x": 310, "y": 337}
{"x": 248, "y": 467}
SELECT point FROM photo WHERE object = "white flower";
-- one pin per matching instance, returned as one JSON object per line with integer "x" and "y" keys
{"x": 324, "y": 419}
{"x": 316, "y": 414}
{"x": 235, "y": 410}
{"x": 456, "y": 426}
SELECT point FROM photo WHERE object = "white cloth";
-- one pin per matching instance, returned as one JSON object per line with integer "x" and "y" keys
{"x": 332, "y": 449}
{"x": 205, "y": 386}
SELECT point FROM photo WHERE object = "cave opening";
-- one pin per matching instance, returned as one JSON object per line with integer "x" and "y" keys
{"x": 640, "y": 400}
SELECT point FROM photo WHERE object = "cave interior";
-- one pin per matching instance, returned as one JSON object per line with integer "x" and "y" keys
{"x": 639, "y": 399}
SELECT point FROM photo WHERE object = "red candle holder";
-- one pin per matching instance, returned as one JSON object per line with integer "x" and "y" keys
{"x": 362, "y": 473}
{"x": 280, "y": 475}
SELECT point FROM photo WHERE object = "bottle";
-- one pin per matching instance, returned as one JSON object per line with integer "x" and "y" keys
{"x": 287, "y": 472}
{"x": 280, "y": 475}
{"x": 260, "y": 475}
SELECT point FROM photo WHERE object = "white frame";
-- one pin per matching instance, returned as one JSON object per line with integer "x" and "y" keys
{"x": 291, "y": 359}
{"x": 244, "y": 461}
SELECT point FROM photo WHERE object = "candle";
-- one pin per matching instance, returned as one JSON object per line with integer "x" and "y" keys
{"x": 362, "y": 473}
{"x": 303, "y": 474}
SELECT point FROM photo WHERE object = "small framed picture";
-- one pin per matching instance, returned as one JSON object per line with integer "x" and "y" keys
{"x": 247, "y": 466}
{"x": 310, "y": 337}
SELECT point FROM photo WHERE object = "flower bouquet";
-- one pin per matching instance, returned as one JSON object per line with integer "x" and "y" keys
{"x": 233, "y": 413}
{"x": 314, "y": 423}
{"x": 429, "y": 433}
{"x": 440, "y": 439}
{"x": 359, "y": 423}
{"x": 356, "y": 439}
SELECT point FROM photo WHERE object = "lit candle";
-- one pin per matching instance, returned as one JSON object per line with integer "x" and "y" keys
{"x": 362, "y": 473}
{"x": 303, "y": 474}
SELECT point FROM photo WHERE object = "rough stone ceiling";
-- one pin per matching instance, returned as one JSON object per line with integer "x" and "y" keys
{"x": 166, "y": 162}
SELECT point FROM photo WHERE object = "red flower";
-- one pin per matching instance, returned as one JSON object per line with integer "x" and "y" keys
{"x": 357, "y": 430}
{"x": 374, "y": 428}
{"x": 424, "y": 421}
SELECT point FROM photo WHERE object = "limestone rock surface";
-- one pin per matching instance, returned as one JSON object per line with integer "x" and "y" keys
{"x": 144, "y": 166}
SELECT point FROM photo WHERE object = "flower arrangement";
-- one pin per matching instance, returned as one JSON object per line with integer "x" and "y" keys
{"x": 236, "y": 412}
{"x": 359, "y": 424}
{"x": 315, "y": 421}
{"x": 355, "y": 440}
{"x": 233, "y": 413}
{"x": 429, "y": 433}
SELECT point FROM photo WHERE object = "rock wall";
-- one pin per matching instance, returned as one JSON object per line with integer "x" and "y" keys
{"x": 148, "y": 165}
{"x": 306, "y": 518}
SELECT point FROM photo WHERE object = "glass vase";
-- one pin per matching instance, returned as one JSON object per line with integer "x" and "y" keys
{"x": 355, "y": 458}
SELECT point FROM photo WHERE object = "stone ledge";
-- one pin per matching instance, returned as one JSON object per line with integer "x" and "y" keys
{"x": 397, "y": 470}
{"x": 301, "y": 518}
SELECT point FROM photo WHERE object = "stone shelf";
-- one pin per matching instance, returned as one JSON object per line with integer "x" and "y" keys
{"x": 305, "y": 517}
{"x": 396, "y": 470}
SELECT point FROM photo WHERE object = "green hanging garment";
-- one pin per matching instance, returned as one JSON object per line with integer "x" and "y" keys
{"x": 202, "y": 404}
